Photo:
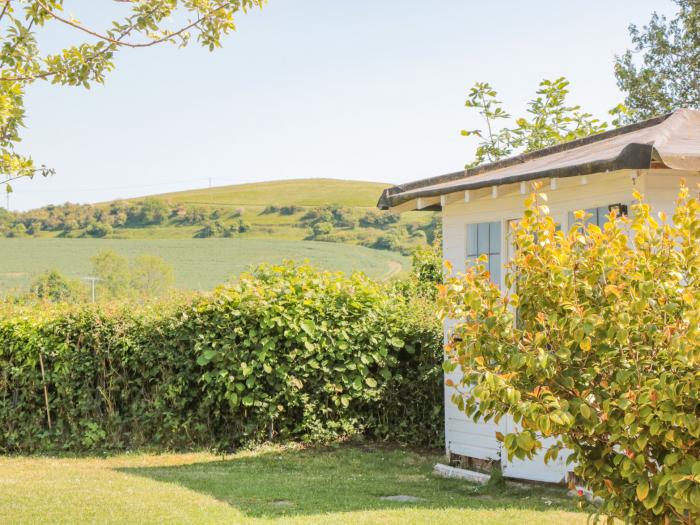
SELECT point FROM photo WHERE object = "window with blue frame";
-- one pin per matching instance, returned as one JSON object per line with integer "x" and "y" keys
{"x": 485, "y": 239}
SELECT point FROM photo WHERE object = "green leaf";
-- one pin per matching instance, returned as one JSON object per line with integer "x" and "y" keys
{"x": 395, "y": 341}
{"x": 525, "y": 441}
{"x": 206, "y": 357}
{"x": 371, "y": 382}
{"x": 642, "y": 490}
{"x": 585, "y": 411}
{"x": 696, "y": 468}
{"x": 308, "y": 326}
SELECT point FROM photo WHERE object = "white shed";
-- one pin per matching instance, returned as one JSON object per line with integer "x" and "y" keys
{"x": 594, "y": 174}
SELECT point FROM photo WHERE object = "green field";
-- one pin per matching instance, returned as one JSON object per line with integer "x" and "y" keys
{"x": 199, "y": 264}
{"x": 299, "y": 192}
{"x": 268, "y": 486}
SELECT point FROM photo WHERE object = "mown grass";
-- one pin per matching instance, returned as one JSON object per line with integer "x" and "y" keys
{"x": 199, "y": 264}
{"x": 271, "y": 485}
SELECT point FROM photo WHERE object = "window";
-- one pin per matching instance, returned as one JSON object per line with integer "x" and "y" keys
{"x": 599, "y": 216}
{"x": 485, "y": 239}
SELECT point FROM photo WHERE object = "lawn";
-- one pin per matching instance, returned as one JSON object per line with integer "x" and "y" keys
{"x": 270, "y": 485}
{"x": 199, "y": 264}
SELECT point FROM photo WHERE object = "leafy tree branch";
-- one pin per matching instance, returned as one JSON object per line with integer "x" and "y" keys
{"x": 22, "y": 61}
{"x": 549, "y": 121}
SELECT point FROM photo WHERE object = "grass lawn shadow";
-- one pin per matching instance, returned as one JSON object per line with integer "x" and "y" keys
{"x": 278, "y": 482}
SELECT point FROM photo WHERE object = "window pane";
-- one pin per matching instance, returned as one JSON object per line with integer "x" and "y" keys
{"x": 602, "y": 215}
{"x": 495, "y": 237}
{"x": 483, "y": 238}
{"x": 471, "y": 240}
{"x": 495, "y": 268}
{"x": 592, "y": 216}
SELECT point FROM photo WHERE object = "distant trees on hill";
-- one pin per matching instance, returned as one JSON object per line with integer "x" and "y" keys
{"x": 87, "y": 220}
{"x": 331, "y": 223}
{"x": 222, "y": 229}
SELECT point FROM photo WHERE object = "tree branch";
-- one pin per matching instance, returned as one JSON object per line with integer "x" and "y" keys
{"x": 47, "y": 74}
{"x": 35, "y": 170}
{"x": 118, "y": 42}
{"x": 4, "y": 8}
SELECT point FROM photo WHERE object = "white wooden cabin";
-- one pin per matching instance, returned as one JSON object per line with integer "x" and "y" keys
{"x": 594, "y": 174}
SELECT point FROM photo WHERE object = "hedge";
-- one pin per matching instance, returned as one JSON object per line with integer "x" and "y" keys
{"x": 287, "y": 353}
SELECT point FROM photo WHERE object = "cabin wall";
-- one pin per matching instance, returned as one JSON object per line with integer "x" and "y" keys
{"x": 570, "y": 194}
{"x": 660, "y": 187}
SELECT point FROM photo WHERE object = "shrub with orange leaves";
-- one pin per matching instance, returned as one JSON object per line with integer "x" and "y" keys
{"x": 595, "y": 342}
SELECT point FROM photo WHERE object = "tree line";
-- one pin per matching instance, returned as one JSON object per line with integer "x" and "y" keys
{"x": 331, "y": 223}
{"x": 89, "y": 220}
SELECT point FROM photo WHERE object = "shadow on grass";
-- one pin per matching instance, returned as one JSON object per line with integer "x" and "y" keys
{"x": 287, "y": 482}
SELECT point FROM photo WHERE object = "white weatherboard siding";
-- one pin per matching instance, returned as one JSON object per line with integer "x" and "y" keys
{"x": 660, "y": 188}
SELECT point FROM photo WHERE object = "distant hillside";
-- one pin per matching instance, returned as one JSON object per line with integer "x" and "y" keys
{"x": 297, "y": 192}
{"x": 328, "y": 210}
{"x": 245, "y": 224}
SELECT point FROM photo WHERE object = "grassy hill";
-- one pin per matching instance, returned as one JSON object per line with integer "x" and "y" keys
{"x": 287, "y": 209}
{"x": 294, "y": 192}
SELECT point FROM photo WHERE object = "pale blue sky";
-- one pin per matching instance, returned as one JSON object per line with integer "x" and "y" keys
{"x": 369, "y": 90}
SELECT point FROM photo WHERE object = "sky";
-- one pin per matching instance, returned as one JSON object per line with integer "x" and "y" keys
{"x": 367, "y": 90}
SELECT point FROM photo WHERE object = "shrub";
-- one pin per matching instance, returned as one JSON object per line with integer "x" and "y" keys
{"x": 193, "y": 215}
{"x": 55, "y": 287}
{"x": 151, "y": 276}
{"x": 149, "y": 212}
{"x": 426, "y": 269}
{"x": 210, "y": 229}
{"x": 112, "y": 271}
{"x": 241, "y": 226}
{"x": 289, "y": 352}
{"x": 322, "y": 228}
{"x": 222, "y": 229}
{"x": 98, "y": 229}
{"x": 290, "y": 210}
{"x": 602, "y": 354}
{"x": 390, "y": 241}
{"x": 18, "y": 230}
{"x": 337, "y": 216}
{"x": 379, "y": 219}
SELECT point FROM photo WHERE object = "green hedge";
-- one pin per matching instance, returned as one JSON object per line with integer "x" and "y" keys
{"x": 288, "y": 352}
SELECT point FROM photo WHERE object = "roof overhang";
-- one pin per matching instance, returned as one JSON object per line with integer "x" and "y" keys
{"x": 669, "y": 141}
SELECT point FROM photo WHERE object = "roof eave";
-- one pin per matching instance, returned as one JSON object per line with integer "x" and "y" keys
{"x": 632, "y": 156}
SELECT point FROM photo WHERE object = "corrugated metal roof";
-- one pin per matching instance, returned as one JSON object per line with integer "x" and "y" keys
{"x": 673, "y": 139}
